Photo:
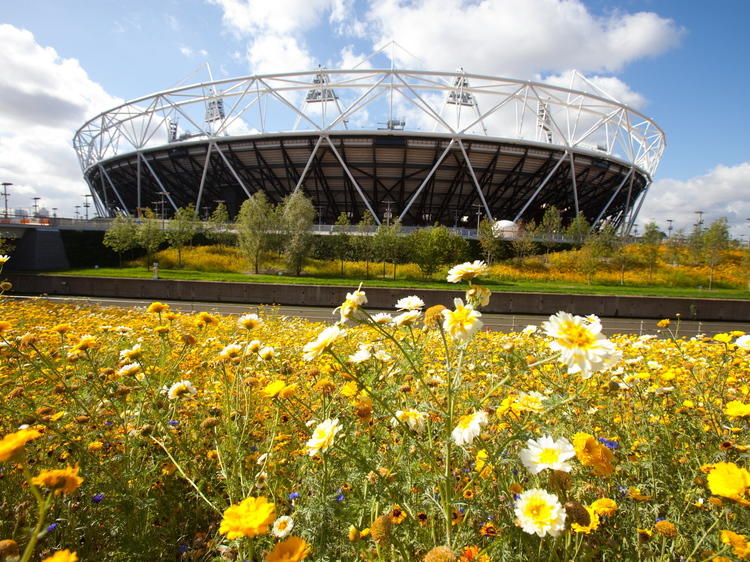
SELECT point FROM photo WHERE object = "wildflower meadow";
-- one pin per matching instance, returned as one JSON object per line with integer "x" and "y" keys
{"x": 411, "y": 435}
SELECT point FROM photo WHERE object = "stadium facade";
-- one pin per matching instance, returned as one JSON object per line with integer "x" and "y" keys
{"x": 423, "y": 147}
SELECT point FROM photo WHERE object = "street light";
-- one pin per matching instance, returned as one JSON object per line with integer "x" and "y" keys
{"x": 388, "y": 215}
{"x": 669, "y": 228}
{"x": 36, "y": 206}
{"x": 478, "y": 207}
{"x": 699, "y": 223}
{"x": 6, "y": 185}
{"x": 86, "y": 204}
{"x": 78, "y": 214}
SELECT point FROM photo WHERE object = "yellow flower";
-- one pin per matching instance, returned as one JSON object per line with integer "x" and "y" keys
{"x": 477, "y": 295}
{"x": 666, "y": 528}
{"x": 728, "y": 480}
{"x": 739, "y": 544}
{"x": 604, "y": 506}
{"x": 289, "y": 550}
{"x": 322, "y": 437}
{"x": 467, "y": 271}
{"x": 62, "y": 481}
{"x": 62, "y": 556}
{"x": 736, "y": 409}
{"x": 13, "y": 443}
{"x": 463, "y": 322}
{"x": 251, "y": 517}
{"x": 663, "y": 323}
{"x": 157, "y": 308}
{"x": 272, "y": 389}
{"x": 592, "y": 453}
{"x": 86, "y": 342}
{"x": 593, "y": 523}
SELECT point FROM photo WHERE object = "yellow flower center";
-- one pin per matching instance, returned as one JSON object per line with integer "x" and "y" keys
{"x": 576, "y": 336}
{"x": 549, "y": 456}
{"x": 538, "y": 510}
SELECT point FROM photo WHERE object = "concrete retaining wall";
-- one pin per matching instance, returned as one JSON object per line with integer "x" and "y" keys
{"x": 327, "y": 296}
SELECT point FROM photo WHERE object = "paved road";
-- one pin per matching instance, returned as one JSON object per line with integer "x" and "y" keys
{"x": 502, "y": 322}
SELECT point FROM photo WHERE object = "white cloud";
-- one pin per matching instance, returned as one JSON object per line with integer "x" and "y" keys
{"x": 722, "y": 192}
{"x": 271, "y": 53}
{"x": 43, "y": 100}
{"x": 519, "y": 38}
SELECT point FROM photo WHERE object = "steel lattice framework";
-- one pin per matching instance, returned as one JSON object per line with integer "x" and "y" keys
{"x": 420, "y": 146}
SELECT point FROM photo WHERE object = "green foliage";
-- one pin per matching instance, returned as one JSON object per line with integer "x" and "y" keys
{"x": 488, "y": 242}
{"x": 523, "y": 243}
{"x": 715, "y": 242}
{"x": 435, "y": 246}
{"x": 121, "y": 235}
{"x": 149, "y": 235}
{"x": 388, "y": 244}
{"x": 182, "y": 229}
{"x": 218, "y": 227}
{"x": 255, "y": 225}
{"x": 297, "y": 217}
{"x": 342, "y": 239}
{"x": 649, "y": 245}
{"x": 578, "y": 229}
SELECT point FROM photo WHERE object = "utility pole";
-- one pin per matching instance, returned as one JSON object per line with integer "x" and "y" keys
{"x": 6, "y": 185}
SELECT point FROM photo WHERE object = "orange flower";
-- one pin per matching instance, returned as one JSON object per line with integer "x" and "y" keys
{"x": 62, "y": 481}
{"x": 13, "y": 443}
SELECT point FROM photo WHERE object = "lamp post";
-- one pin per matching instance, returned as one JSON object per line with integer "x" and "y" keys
{"x": 388, "y": 215}
{"x": 699, "y": 223}
{"x": 669, "y": 228}
{"x": 6, "y": 185}
{"x": 78, "y": 214}
{"x": 36, "y": 206}
{"x": 478, "y": 207}
{"x": 86, "y": 204}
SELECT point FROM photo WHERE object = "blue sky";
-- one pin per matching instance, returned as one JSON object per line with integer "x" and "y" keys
{"x": 680, "y": 62}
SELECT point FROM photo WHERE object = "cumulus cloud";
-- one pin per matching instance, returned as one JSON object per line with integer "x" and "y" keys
{"x": 722, "y": 192}
{"x": 520, "y": 38}
{"x": 43, "y": 100}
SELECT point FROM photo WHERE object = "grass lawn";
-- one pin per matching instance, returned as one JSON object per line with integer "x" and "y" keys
{"x": 494, "y": 285}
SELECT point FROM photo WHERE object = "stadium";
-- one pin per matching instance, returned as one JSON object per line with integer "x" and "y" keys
{"x": 418, "y": 146}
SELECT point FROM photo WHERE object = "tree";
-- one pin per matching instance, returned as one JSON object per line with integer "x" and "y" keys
{"x": 387, "y": 244}
{"x": 578, "y": 229}
{"x": 649, "y": 246}
{"x": 218, "y": 230}
{"x": 342, "y": 239}
{"x": 149, "y": 235}
{"x": 435, "y": 246}
{"x": 715, "y": 243}
{"x": 363, "y": 245}
{"x": 255, "y": 227}
{"x": 182, "y": 229}
{"x": 121, "y": 235}
{"x": 487, "y": 240}
{"x": 297, "y": 218}
{"x": 549, "y": 228}
{"x": 523, "y": 242}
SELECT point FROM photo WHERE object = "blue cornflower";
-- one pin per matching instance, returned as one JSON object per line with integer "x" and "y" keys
{"x": 173, "y": 422}
{"x": 293, "y": 495}
{"x": 609, "y": 443}
{"x": 97, "y": 498}
{"x": 52, "y": 527}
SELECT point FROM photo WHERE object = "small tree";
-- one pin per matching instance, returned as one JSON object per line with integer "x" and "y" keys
{"x": 487, "y": 240}
{"x": 255, "y": 226}
{"x": 363, "y": 245}
{"x": 297, "y": 218}
{"x": 435, "y": 246}
{"x": 121, "y": 235}
{"x": 182, "y": 229}
{"x": 387, "y": 244}
{"x": 578, "y": 229}
{"x": 342, "y": 239}
{"x": 217, "y": 230}
{"x": 649, "y": 247}
{"x": 523, "y": 243}
{"x": 715, "y": 243}
{"x": 549, "y": 228}
{"x": 149, "y": 235}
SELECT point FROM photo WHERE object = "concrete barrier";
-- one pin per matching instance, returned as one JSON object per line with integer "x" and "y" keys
{"x": 610, "y": 306}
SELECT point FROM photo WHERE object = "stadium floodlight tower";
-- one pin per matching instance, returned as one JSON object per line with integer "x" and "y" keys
{"x": 414, "y": 145}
